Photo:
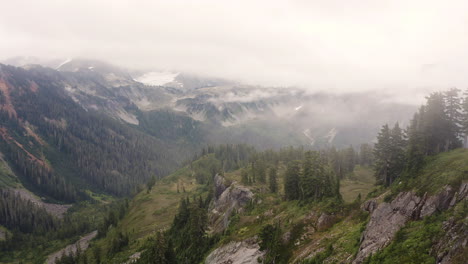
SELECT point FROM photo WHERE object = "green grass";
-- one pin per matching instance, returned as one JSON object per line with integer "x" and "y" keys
{"x": 7, "y": 177}
{"x": 449, "y": 168}
{"x": 4, "y": 232}
{"x": 155, "y": 210}
{"x": 361, "y": 181}
{"x": 413, "y": 243}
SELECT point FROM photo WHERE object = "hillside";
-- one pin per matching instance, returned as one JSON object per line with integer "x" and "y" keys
{"x": 326, "y": 231}
{"x": 77, "y": 143}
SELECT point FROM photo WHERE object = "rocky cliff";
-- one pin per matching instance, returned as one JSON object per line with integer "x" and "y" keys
{"x": 243, "y": 252}
{"x": 387, "y": 218}
{"x": 228, "y": 199}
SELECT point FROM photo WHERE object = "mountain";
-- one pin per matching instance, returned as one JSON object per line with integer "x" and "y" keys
{"x": 316, "y": 119}
{"x": 90, "y": 125}
{"x": 59, "y": 148}
{"x": 80, "y": 137}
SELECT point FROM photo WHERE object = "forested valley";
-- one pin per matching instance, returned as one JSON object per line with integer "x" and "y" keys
{"x": 157, "y": 192}
{"x": 293, "y": 180}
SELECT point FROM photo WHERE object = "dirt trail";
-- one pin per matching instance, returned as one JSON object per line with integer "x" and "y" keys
{"x": 72, "y": 248}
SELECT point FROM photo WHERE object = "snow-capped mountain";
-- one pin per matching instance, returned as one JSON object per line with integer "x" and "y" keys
{"x": 292, "y": 114}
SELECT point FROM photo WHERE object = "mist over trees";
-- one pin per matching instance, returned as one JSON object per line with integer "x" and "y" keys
{"x": 438, "y": 126}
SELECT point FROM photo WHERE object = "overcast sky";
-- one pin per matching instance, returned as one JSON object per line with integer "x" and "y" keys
{"x": 331, "y": 45}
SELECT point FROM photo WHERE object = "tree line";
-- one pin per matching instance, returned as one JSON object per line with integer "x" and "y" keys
{"x": 438, "y": 126}
{"x": 311, "y": 179}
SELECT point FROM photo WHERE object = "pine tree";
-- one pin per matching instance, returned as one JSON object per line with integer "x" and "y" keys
{"x": 464, "y": 118}
{"x": 291, "y": 181}
{"x": 253, "y": 171}
{"x": 261, "y": 171}
{"x": 349, "y": 159}
{"x": 160, "y": 251}
{"x": 453, "y": 110}
{"x": 335, "y": 161}
{"x": 416, "y": 145}
{"x": 398, "y": 149}
{"x": 245, "y": 177}
{"x": 365, "y": 155}
{"x": 308, "y": 180}
{"x": 382, "y": 155}
{"x": 271, "y": 243}
{"x": 273, "y": 180}
{"x": 439, "y": 135}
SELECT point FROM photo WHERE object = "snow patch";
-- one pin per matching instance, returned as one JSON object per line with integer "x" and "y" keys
{"x": 157, "y": 78}
{"x": 63, "y": 63}
{"x": 309, "y": 136}
{"x": 331, "y": 135}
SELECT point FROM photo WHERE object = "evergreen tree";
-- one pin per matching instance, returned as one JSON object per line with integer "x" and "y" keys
{"x": 398, "y": 149}
{"x": 438, "y": 129}
{"x": 309, "y": 182}
{"x": 416, "y": 144}
{"x": 464, "y": 118}
{"x": 453, "y": 109}
{"x": 349, "y": 159}
{"x": 335, "y": 162}
{"x": 245, "y": 177}
{"x": 160, "y": 251}
{"x": 270, "y": 242}
{"x": 365, "y": 155}
{"x": 291, "y": 181}
{"x": 273, "y": 180}
{"x": 382, "y": 155}
{"x": 389, "y": 153}
{"x": 253, "y": 171}
{"x": 261, "y": 171}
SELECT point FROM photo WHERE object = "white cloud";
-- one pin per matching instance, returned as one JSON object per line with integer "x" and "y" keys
{"x": 338, "y": 46}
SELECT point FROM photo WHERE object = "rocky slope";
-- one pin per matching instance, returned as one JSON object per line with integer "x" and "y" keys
{"x": 57, "y": 210}
{"x": 316, "y": 232}
{"x": 387, "y": 218}
{"x": 229, "y": 199}
{"x": 81, "y": 244}
{"x": 243, "y": 252}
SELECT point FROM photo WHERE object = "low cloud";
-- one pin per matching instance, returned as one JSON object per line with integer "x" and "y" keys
{"x": 400, "y": 47}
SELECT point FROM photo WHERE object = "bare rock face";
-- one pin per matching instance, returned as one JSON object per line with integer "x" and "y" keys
{"x": 369, "y": 206}
{"x": 231, "y": 199}
{"x": 388, "y": 218}
{"x": 220, "y": 185}
{"x": 453, "y": 243}
{"x": 326, "y": 221}
{"x": 438, "y": 202}
{"x": 244, "y": 252}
